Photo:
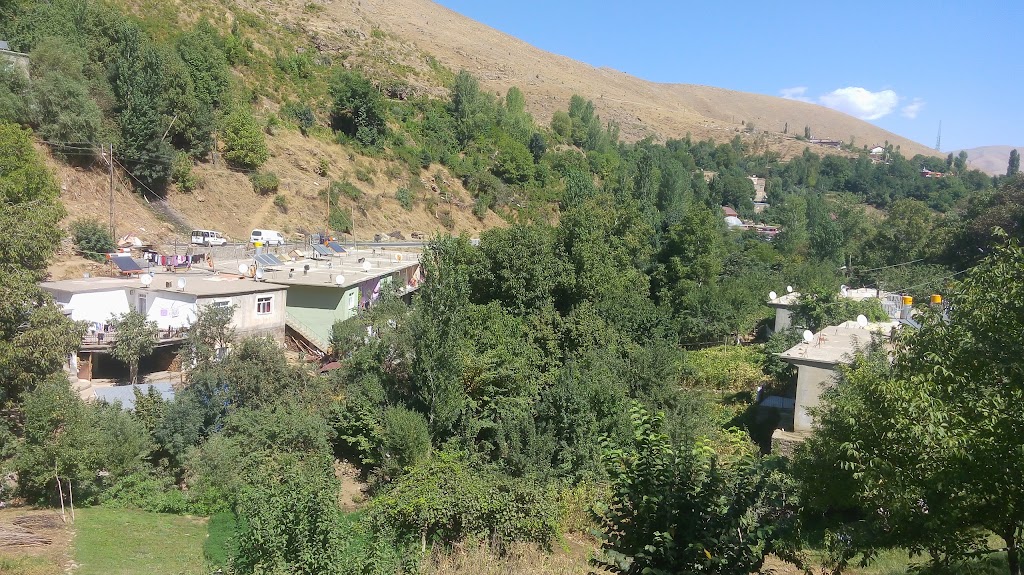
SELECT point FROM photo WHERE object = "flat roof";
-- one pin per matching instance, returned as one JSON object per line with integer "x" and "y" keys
{"x": 837, "y": 343}
{"x": 197, "y": 283}
{"x": 323, "y": 272}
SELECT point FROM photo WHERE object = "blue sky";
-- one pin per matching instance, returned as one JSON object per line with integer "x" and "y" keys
{"x": 901, "y": 65}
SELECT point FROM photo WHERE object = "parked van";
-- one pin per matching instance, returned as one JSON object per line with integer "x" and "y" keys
{"x": 266, "y": 237}
{"x": 208, "y": 238}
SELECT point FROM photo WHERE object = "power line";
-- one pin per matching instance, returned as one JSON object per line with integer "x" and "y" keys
{"x": 892, "y": 266}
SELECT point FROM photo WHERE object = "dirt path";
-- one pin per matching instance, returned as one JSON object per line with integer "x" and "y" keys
{"x": 35, "y": 541}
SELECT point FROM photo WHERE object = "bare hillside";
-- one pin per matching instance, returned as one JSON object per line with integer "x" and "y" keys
{"x": 992, "y": 160}
{"x": 642, "y": 108}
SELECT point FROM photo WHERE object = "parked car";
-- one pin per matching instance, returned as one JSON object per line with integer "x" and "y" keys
{"x": 267, "y": 237}
{"x": 208, "y": 238}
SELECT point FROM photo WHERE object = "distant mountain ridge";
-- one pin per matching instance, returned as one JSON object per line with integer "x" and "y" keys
{"x": 641, "y": 108}
{"x": 992, "y": 160}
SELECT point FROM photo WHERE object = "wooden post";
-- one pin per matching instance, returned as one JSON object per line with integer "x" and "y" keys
{"x": 71, "y": 498}
{"x": 60, "y": 491}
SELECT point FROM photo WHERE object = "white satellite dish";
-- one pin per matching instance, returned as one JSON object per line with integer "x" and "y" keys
{"x": 146, "y": 279}
{"x": 259, "y": 273}
{"x": 862, "y": 320}
{"x": 181, "y": 284}
{"x": 366, "y": 266}
{"x": 789, "y": 289}
{"x": 242, "y": 269}
{"x": 843, "y": 290}
{"x": 808, "y": 336}
{"x": 772, "y": 295}
{"x": 339, "y": 279}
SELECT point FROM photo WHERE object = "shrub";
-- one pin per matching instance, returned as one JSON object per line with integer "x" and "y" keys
{"x": 404, "y": 197}
{"x": 481, "y": 205}
{"x": 92, "y": 239}
{"x": 364, "y": 174}
{"x": 446, "y": 219}
{"x": 345, "y": 188}
{"x": 181, "y": 173}
{"x": 322, "y": 168}
{"x": 244, "y": 144}
{"x": 281, "y": 202}
{"x": 264, "y": 182}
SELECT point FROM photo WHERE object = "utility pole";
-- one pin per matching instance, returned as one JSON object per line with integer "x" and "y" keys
{"x": 110, "y": 165}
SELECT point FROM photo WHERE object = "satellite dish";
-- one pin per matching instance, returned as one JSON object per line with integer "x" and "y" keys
{"x": 146, "y": 279}
{"x": 862, "y": 320}
{"x": 339, "y": 279}
{"x": 181, "y": 284}
{"x": 772, "y": 295}
{"x": 808, "y": 336}
{"x": 259, "y": 273}
{"x": 789, "y": 289}
{"x": 242, "y": 268}
{"x": 366, "y": 267}
{"x": 843, "y": 290}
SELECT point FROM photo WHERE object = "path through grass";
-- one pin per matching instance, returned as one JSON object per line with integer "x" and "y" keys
{"x": 112, "y": 541}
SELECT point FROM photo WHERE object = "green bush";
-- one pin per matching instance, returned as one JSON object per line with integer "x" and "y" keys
{"x": 92, "y": 239}
{"x": 446, "y": 219}
{"x": 146, "y": 491}
{"x": 264, "y": 182}
{"x": 404, "y": 197}
{"x": 364, "y": 174}
{"x": 344, "y": 188}
{"x": 244, "y": 143}
{"x": 181, "y": 173}
{"x": 281, "y": 202}
{"x": 446, "y": 500}
{"x": 322, "y": 168}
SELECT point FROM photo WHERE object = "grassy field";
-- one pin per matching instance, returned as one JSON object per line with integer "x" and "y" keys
{"x": 129, "y": 542}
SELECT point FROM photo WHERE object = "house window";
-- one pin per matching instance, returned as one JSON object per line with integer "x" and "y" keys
{"x": 263, "y": 305}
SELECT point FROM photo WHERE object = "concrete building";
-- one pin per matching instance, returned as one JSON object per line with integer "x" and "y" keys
{"x": 784, "y": 304}
{"x": 816, "y": 362}
{"x": 334, "y": 287}
{"x": 169, "y": 300}
{"x": 17, "y": 59}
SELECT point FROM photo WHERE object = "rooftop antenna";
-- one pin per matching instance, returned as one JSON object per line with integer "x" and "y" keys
{"x": 772, "y": 295}
{"x": 181, "y": 284}
{"x": 862, "y": 320}
{"x": 789, "y": 289}
{"x": 938, "y": 139}
{"x": 242, "y": 269}
{"x": 808, "y": 336}
{"x": 146, "y": 279}
{"x": 339, "y": 279}
{"x": 259, "y": 274}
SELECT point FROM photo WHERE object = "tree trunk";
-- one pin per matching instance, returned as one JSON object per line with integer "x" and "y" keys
{"x": 1012, "y": 551}
{"x": 133, "y": 373}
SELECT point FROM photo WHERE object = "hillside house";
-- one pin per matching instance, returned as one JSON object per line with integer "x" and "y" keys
{"x": 171, "y": 301}
{"x": 17, "y": 59}
{"x": 816, "y": 361}
{"x": 784, "y": 304}
{"x": 335, "y": 287}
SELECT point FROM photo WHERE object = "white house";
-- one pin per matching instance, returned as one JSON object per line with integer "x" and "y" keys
{"x": 171, "y": 301}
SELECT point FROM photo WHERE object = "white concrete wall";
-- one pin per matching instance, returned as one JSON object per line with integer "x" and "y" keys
{"x": 98, "y": 307}
{"x": 247, "y": 321}
{"x": 169, "y": 309}
{"x": 811, "y": 381}
{"x": 783, "y": 318}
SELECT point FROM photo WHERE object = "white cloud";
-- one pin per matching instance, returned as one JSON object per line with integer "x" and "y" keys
{"x": 912, "y": 109}
{"x": 861, "y": 103}
{"x": 795, "y": 93}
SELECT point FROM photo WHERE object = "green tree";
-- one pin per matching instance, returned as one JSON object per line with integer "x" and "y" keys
{"x": 92, "y": 239}
{"x": 138, "y": 81}
{"x": 61, "y": 103}
{"x": 35, "y": 337}
{"x": 692, "y": 508}
{"x": 209, "y": 336}
{"x": 1013, "y": 166}
{"x": 928, "y": 460}
{"x": 244, "y": 143}
{"x": 359, "y": 108}
{"x": 135, "y": 339}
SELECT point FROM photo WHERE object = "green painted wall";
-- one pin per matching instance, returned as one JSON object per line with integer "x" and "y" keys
{"x": 317, "y": 308}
